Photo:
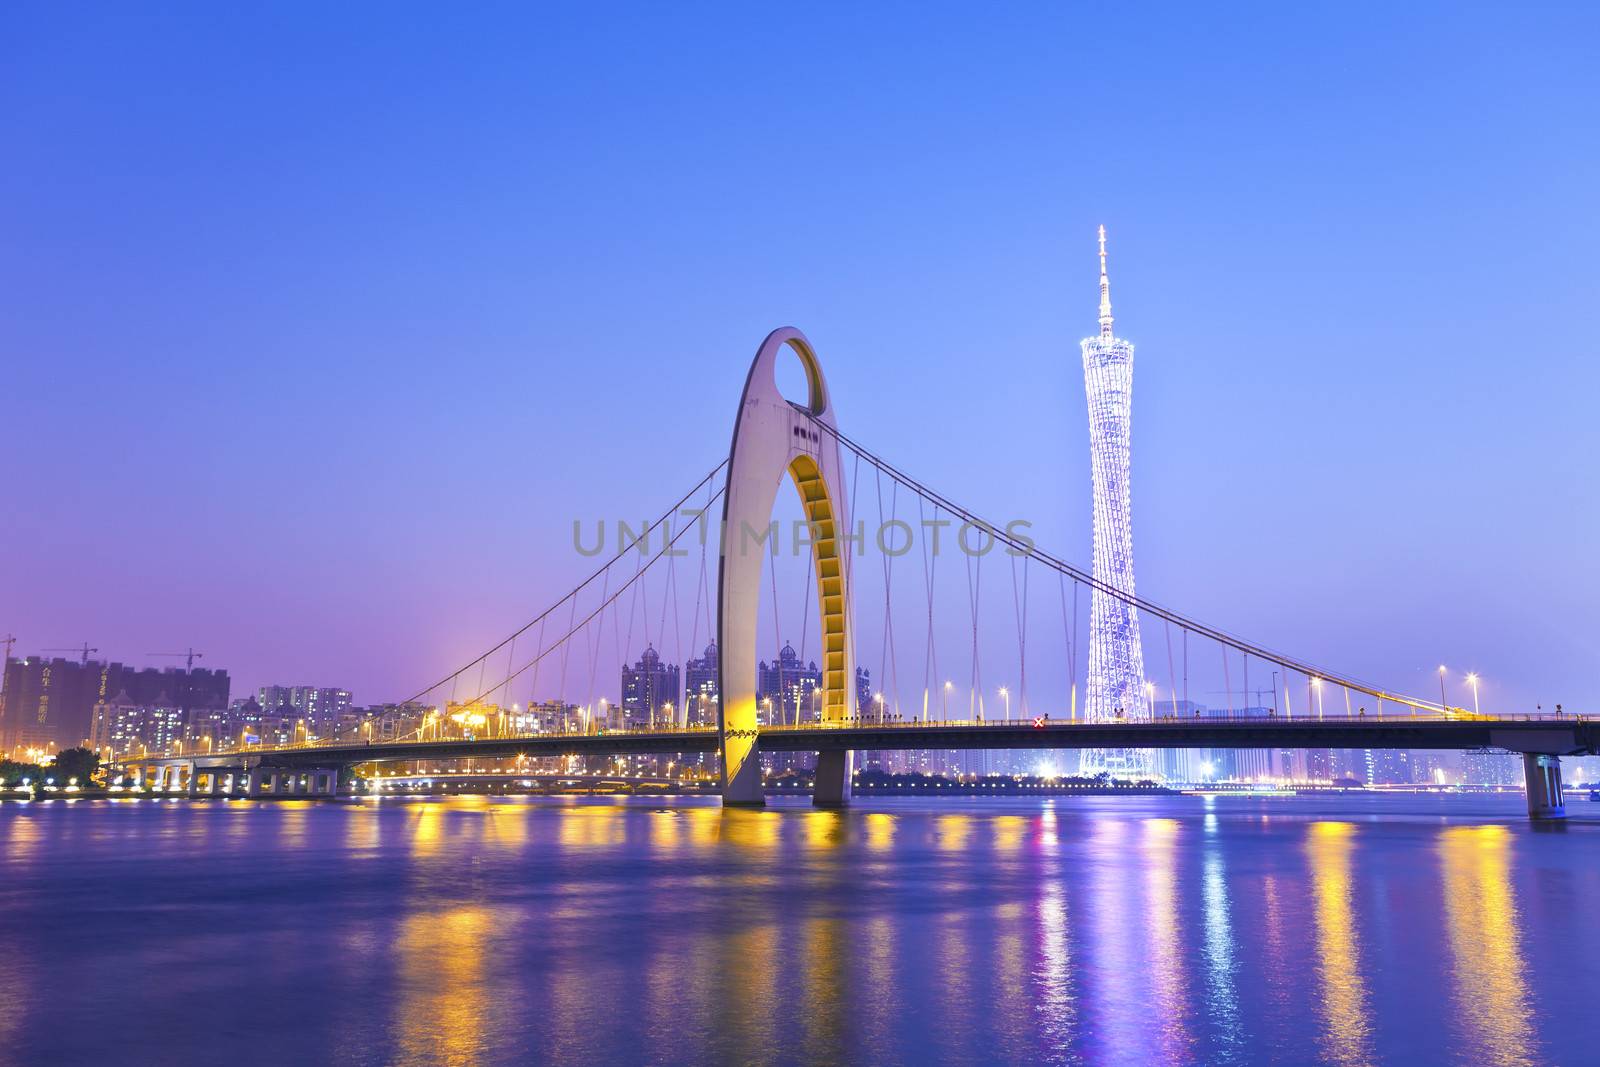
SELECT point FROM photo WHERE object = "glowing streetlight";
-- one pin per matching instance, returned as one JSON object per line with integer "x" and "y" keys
{"x": 1316, "y": 686}
{"x": 1005, "y": 694}
{"x": 1442, "y": 703}
{"x": 1472, "y": 680}
{"x": 1150, "y": 698}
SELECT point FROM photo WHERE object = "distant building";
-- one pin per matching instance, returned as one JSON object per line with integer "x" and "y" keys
{"x": 1388, "y": 766}
{"x": 702, "y": 700}
{"x": 50, "y": 703}
{"x": 648, "y": 687}
{"x": 319, "y": 708}
{"x": 786, "y": 688}
{"x": 1489, "y": 767}
{"x": 122, "y": 726}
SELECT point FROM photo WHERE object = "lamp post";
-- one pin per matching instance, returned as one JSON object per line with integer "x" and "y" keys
{"x": 1443, "y": 705}
{"x": 1472, "y": 680}
{"x": 944, "y": 707}
{"x": 1005, "y": 694}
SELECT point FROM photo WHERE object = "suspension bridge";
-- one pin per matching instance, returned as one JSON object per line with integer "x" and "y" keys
{"x": 728, "y": 721}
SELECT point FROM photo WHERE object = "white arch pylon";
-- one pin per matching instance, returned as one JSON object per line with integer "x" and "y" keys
{"x": 770, "y": 439}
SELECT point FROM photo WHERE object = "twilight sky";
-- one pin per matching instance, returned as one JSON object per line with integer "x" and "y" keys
{"x": 320, "y": 324}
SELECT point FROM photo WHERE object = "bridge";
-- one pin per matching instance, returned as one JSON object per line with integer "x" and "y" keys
{"x": 831, "y": 718}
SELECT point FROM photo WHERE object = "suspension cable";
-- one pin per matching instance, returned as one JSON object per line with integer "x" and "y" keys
{"x": 537, "y": 619}
{"x": 1025, "y": 546}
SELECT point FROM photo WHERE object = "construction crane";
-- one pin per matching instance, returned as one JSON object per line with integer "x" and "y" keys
{"x": 85, "y": 650}
{"x": 188, "y": 657}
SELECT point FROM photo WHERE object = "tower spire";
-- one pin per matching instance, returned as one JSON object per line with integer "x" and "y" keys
{"x": 1105, "y": 289}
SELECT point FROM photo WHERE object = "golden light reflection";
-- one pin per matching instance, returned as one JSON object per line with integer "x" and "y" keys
{"x": 953, "y": 831}
{"x": 825, "y": 1040}
{"x": 508, "y": 826}
{"x": 591, "y": 826}
{"x": 427, "y": 829}
{"x": 705, "y": 826}
{"x": 1485, "y": 945}
{"x": 1008, "y": 832}
{"x": 444, "y": 992}
{"x": 823, "y": 829}
{"x": 360, "y": 832}
{"x": 747, "y": 829}
{"x": 1158, "y": 845}
{"x": 666, "y": 830}
{"x": 1343, "y": 992}
{"x": 292, "y": 825}
{"x": 748, "y": 1013}
{"x": 879, "y": 831}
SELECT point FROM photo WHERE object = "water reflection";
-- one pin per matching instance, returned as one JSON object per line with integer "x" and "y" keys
{"x": 1491, "y": 996}
{"x": 1159, "y": 844}
{"x": 1222, "y": 1001}
{"x": 445, "y": 998}
{"x": 1055, "y": 1005}
{"x": 1343, "y": 993}
{"x": 1117, "y": 1009}
{"x": 438, "y": 930}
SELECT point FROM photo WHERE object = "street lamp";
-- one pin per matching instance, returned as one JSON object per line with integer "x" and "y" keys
{"x": 1444, "y": 706}
{"x": 1316, "y": 685}
{"x": 944, "y": 708}
{"x": 1005, "y": 694}
{"x": 1150, "y": 698}
{"x": 1472, "y": 680}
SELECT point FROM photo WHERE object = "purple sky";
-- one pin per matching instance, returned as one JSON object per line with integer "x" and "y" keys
{"x": 318, "y": 329}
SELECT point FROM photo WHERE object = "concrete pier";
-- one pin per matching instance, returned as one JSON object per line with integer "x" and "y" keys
{"x": 832, "y": 786}
{"x": 1543, "y": 776}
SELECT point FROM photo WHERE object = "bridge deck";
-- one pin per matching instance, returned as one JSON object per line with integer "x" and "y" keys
{"x": 1550, "y": 735}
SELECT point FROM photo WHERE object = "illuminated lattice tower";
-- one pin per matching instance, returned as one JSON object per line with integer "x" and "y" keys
{"x": 1116, "y": 659}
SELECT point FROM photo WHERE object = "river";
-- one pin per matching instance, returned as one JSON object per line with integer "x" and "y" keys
{"x": 469, "y": 930}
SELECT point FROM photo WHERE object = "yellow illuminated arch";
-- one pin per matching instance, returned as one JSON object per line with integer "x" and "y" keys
{"x": 771, "y": 438}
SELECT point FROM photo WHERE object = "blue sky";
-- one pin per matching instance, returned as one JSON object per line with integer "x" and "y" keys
{"x": 319, "y": 327}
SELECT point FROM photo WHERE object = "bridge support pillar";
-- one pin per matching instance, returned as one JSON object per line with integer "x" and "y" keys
{"x": 1543, "y": 777}
{"x": 260, "y": 782}
{"x": 832, "y": 788}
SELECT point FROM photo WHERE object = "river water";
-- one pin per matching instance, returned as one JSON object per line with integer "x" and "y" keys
{"x": 468, "y": 930}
